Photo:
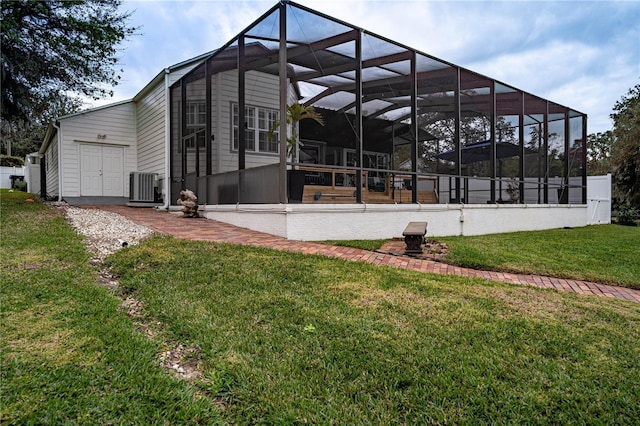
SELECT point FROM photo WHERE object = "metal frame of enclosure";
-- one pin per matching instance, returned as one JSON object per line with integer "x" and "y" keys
{"x": 398, "y": 124}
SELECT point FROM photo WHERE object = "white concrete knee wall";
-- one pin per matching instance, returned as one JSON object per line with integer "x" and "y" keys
{"x": 314, "y": 222}
{"x": 354, "y": 221}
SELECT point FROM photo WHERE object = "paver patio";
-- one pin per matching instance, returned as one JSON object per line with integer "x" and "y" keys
{"x": 210, "y": 230}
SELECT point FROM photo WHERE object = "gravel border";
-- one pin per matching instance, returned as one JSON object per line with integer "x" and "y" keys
{"x": 105, "y": 232}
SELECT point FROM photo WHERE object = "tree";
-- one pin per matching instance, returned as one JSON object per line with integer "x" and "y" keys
{"x": 599, "y": 153}
{"x": 295, "y": 114}
{"x": 54, "y": 51}
{"x": 625, "y": 150}
{"x": 20, "y": 137}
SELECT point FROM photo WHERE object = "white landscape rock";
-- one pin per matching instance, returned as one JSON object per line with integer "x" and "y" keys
{"x": 105, "y": 232}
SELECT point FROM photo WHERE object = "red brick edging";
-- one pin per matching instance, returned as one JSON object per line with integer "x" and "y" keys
{"x": 211, "y": 230}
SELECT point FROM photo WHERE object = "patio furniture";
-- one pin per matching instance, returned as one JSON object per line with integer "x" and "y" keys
{"x": 414, "y": 236}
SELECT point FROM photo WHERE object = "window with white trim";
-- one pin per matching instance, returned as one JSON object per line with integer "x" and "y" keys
{"x": 196, "y": 120}
{"x": 259, "y": 121}
{"x": 196, "y": 114}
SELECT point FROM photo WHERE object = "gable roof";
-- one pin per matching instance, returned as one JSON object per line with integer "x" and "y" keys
{"x": 193, "y": 62}
{"x": 51, "y": 128}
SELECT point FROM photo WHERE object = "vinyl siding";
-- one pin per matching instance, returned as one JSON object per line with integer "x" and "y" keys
{"x": 117, "y": 122}
{"x": 178, "y": 73}
{"x": 260, "y": 90}
{"x": 150, "y": 118}
{"x": 51, "y": 159}
{"x": 151, "y": 121}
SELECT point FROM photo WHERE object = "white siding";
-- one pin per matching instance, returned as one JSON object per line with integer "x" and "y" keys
{"x": 51, "y": 164}
{"x": 150, "y": 118}
{"x": 177, "y": 74}
{"x": 196, "y": 92}
{"x": 150, "y": 125}
{"x": 260, "y": 90}
{"x": 116, "y": 123}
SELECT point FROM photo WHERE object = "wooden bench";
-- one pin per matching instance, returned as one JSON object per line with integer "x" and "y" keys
{"x": 318, "y": 195}
{"x": 414, "y": 236}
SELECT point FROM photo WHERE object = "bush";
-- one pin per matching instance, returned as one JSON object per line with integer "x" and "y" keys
{"x": 20, "y": 186}
{"x": 627, "y": 215}
{"x": 6, "y": 161}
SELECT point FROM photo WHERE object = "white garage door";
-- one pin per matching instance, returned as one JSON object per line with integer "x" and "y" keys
{"x": 102, "y": 171}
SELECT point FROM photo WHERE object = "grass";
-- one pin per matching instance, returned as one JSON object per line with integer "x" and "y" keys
{"x": 292, "y": 339}
{"x": 602, "y": 253}
{"x": 370, "y": 245}
{"x": 69, "y": 355}
{"x": 286, "y": 338}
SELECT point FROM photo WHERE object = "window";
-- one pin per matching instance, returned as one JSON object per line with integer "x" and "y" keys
{"x": 196, "y": 120}
{"x": 196, "y": 114}
{"x": 259, "y": 121}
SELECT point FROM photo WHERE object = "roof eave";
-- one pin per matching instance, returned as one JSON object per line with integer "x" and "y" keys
{"x": 48, "y": 137}
{"x": 161, "y": 75}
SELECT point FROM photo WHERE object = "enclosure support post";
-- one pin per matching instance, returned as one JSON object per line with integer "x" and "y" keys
{"x": 183, "y": 131}
{"x": 493, "y": 145}
{"x": 456, "y": 141}
{"x": 208, "y": 139}
{"x": 282, "y": 190}
{"x": 521, "y": 164}
{"x": 242, "y": 119}
{"x": 358, "y": 123}
{"x": 566, "y": 173}
{"x": 414, "y": 129}
{"x": 584, "y": 159}
{"x": 545, "y": 161}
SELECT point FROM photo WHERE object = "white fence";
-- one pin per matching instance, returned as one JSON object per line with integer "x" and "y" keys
{"x": 599, "y": 199}
{"x": 7, "y": 172}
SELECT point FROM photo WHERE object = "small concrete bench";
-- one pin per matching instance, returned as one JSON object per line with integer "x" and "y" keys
{"x": 414, "y": 236}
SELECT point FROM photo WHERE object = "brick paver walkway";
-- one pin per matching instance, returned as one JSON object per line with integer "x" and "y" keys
{"x": 210, "y": 230}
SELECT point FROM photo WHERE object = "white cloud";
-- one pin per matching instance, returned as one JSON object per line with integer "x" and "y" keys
{"x": 583, "y": 54}
{"x": 541, "y": 68}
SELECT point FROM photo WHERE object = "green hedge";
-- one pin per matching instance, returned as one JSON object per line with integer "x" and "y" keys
{"x": 7, "y": 161}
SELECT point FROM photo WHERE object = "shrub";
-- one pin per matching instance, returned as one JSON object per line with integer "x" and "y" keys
{"x": 20, "y": 186}
{"x": 627, "y": 215}
{"x": 7, "y": 161}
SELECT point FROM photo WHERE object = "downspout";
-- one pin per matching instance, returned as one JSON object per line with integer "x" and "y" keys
{"x": 167, "y": 142}
{"x": 59, "y": 136}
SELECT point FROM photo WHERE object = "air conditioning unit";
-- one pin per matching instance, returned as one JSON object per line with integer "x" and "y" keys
{"x": 142, "y": 187}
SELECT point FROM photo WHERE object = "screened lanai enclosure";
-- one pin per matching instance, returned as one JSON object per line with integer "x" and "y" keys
{"x": 393, "y": 125}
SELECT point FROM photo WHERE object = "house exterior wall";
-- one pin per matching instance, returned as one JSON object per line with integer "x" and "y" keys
{"x": 117, "y": 123}
{"x": 177, "y": 73}
{"x": 150, "y": 120}
{"x": 51, "y": 168}
{"x": 260, "y": 90}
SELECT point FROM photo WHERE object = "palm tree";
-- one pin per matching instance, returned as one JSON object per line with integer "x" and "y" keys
{"x": 295, "y": 114}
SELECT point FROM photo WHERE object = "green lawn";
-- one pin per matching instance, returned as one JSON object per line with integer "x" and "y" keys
{"x": 68, "y": 353}
{"x": 285, "y": 338}
{"x": 602, "y": 253}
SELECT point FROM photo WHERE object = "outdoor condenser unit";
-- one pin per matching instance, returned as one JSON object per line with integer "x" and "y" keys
{"x": 142, "y": 187}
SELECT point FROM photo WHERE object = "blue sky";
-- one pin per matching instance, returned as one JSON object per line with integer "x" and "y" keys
{"x": 581, "y": 54}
